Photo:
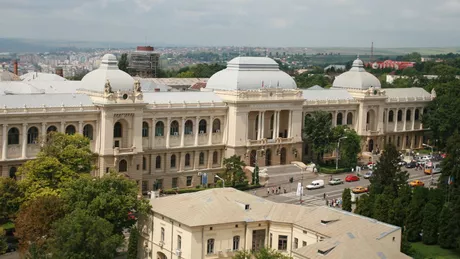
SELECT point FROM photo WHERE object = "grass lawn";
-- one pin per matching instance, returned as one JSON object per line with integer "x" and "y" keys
{"x": 433, "y": 252}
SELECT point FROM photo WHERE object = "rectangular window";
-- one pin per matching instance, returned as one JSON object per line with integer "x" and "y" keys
{"x": 158, "y": 184}
{"x": 189, "y": 180}
{"x": 236, "y": 243}
{"x": 296, "y": 243}
{"x": 162, "y": 237}
{"x": 144, "y": 186}
{"x": 282, "y": 243}
{"x": 210, "y": 247}
{"x": 174, "y": 182}
{"x": 271, "y": 240}
{"x": 179, "y": 242}
{"x": 304, "y": 243}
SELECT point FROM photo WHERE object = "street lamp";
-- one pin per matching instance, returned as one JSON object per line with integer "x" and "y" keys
{"x": 220, "y": 178}
{"x": 301, "y": 183}
{"x": 428, "y": 146}
{"x": 337, "y": 155}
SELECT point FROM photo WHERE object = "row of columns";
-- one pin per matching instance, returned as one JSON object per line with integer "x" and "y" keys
{"x": 180, "y": 160}
{"x": 276, "y": 124}
{"x": 404, "y": 114}
{"x": 182, "y": 132}
{"x": 24, "y": 137}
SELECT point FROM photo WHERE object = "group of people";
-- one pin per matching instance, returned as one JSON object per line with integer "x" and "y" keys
{"x": 333, "y": 202}
{"x": 275, "y": 190}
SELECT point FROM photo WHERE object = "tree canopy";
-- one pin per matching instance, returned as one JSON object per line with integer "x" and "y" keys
{"x": 123, "y": 62}
{"x": 264, "y": 253}
{"x": 233, "y": 171}
{"x": 11, "y": 196}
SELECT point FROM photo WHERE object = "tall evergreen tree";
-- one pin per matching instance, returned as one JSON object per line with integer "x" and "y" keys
{"x": 430, "y": 224}
{"x": 447, "y": 227}
{"x": 380, "y": 210}
{"x": 123, "y": 62}
{"x": 346, "y": 199}
{"x": 414, "y": 217}
{"x": 365, "y": 205}
{"x": 132, "y": 243}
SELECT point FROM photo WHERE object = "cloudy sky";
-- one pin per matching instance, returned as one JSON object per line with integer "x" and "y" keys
{"x": 309, "y": 23}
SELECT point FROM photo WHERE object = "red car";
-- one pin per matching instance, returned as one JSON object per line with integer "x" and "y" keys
{"x": 351, "y": 178}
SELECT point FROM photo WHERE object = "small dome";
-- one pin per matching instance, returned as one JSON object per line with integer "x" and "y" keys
{"x": 356, "y": 78}
{"x": 108, "y": 70}
{"x": 250, "y": 73}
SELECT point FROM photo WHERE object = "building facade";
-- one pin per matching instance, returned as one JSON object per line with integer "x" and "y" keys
{"x": 164, "y": 139}
{"x": 219, "y": 222}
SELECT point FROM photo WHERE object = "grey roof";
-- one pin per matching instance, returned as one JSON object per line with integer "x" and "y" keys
{"x": 50, "y": 100}
{"x": 39, "y": 87}
{"x": 181, "y": 97}
{"x": 406, "y": 92}
{"x": 172, "y": 81}
{"x": 38, "y": 76}
{"x": 315, "y": 87}
{"x": 326, "y": 94}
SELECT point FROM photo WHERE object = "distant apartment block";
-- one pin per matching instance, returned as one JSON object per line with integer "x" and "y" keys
{"x": 144, "y": 62}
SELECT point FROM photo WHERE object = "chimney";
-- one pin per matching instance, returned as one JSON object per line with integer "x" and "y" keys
{"x": 16, "y": 67}
{"x": 59, "y": 71}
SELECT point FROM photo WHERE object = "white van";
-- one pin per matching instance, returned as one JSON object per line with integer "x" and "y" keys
{"x": 316, "y": 184}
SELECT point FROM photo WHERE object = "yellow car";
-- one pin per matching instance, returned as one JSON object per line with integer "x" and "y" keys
{"x": 359, "y": 189}
{"x": 416, "y": 183}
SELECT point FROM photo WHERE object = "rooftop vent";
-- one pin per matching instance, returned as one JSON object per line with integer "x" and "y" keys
{"x": 246, "y": 207}
{"x": 325, "y": 251}
{"x": 325, "y": 222}
{"x": 350, "y": 235}
{"x": 381, "y": 255}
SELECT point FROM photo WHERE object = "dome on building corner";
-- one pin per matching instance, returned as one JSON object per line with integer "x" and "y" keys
{"x": 356, "y": 78}
{"x": 108, "y": 71}
{"x": 251, "y": 73}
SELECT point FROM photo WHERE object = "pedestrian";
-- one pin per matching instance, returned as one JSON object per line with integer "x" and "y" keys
{"x": 255, "y": 193}
{"x": 324, "y": 196}
{"x": 285, "y": 190}
{"x": 273, "y": 190}
{"x": 268, "y": 191}
{"x": 330, "y": 179}
{"x": 327, "y": 203}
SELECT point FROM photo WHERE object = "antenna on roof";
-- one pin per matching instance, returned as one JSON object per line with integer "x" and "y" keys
{"x": 372, "y": 52}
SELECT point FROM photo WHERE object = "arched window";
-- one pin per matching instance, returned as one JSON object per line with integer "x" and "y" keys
{"x": 201, "y": 159}
{"x": 13, "y": 136}
{"x": 117, "y": 130}
{"x": 159, "y": 129}
{"x": 123, "y": 166}
{"x": 174, "y": 131}
{"x": 417, "y": 115}
{"x": 399, "y": 115}
{"x": 12, "y": 172}
{"x": 145, "y": 129}
{"x": 339, "y": 118}
{"x": 51, "y": 129}
{"x": 408, "y": 115}
{"x": 202, "y": 126}
{"x": 390, "y": 116}
{"x": 216, "y": 126}
{"x": 268, "y": 157}
{"x": 349, "y": 118}
{"x": 88, "y": 131}
{"x": 70, "y": 130}
{"x": 144, "y": 163}
{"x": 236, "y": 243}
{"x": 162, "y": 236}
{"x": 188, "y": 129}
{"x": 173, "y": 161}
{"x": 32, "y": 135}
{"x": 158, "y": 162}
{"x": 215, "y": 157}
{"x": 210, "y": 246}
{"x": 368, "y": 117}
{"x": 187, "y": 159}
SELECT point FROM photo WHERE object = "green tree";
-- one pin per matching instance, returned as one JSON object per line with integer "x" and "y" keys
{"x": 414, "y": 217}
{"x": 447, "y": 227}
{"x": 306, "y": 80}
{"x": 430, "y": 224}
{"x": 11, "y": 197}
{"x": 34, "y": 220}
{"x": 317, "y": 132}
{"x": 350, "y": 145}
{"x": 234, "y": 173}
{"x": 123, "y": 62}
{"x": 3, "y": 244}
{"x": 365, "y": 205}
{"x": 187, "y": 74}
{"x": 346, "y": 199}
{"x": 388, "y": 173}
{"x": 414, "y": 57}
{"x": 132, "y": 244}
{"x": 255, "y": 175}
{"x": 264, "y": 253}
{"x": 397, "y": 213}
{"x": 81, "y": 235}
{"x": 111, "y": 197}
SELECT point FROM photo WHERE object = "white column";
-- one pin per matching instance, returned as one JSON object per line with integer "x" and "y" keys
{"x": 62, "y": 127}
{"x": 395, "y": 119}
{"x": 334, "y": 123}
{"x": 80, "y": 127}
{"x": 43, "y": 130}
{"x": 152, "y": 133}
{"x": 262, "y": 133}
{"x": 275, "y": 116}
{"x": 209, "y": 159}
{"x": 211, "y": 119}
{"x": 259, "y": 126}
{"x": 385, "y": 120}
{"x": 420, "y": 116}
{"x": 413, "y": 120}
{"x": 404, "y": 119}
{"x": 290, "y": 124}
{"x": 5, "y": 141}
{"x": 24, "y": 140}
{"x": 96, "y": 134}
{"x": 182, "y": 132}
{"x": 167, "y": 132}
{"x": 197, "y": 127}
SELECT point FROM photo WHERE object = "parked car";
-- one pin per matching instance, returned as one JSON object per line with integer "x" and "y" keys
{"x": 412, "y": 164}
{"x": 371, "y": 166}
{"x": 351, "y": 178}
{"x": 360, "y": 189}
{"x": 416, "y": 183}
{"x": 402, "y": 163}
{"x": 316, "y": 184}
{"x": 335, "y": 181}
{"x": 367, "y": 175}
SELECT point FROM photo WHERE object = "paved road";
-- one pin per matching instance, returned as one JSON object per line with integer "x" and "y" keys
{"x": 315, "y": 197}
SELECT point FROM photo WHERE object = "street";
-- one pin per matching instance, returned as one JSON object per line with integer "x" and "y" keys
{"x": 316, "y": 197}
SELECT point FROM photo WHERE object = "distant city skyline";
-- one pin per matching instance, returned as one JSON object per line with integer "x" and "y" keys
{"x": 270, "y": 23}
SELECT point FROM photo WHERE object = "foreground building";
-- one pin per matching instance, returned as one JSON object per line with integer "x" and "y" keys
{"x": 217, "y": 223}
{"x": 164, "y": 139}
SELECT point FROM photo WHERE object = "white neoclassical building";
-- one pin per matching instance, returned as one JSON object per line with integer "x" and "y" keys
{"x": 251, "y": 109}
